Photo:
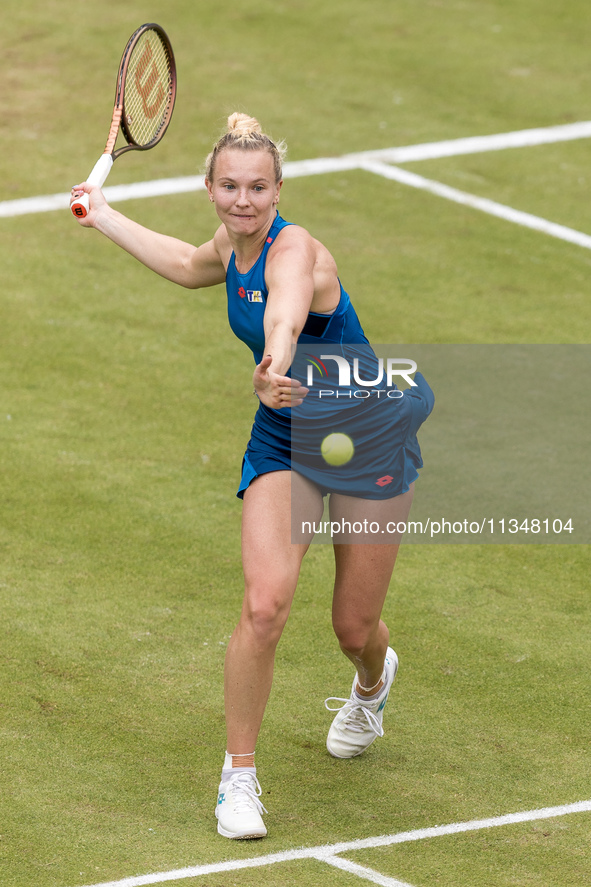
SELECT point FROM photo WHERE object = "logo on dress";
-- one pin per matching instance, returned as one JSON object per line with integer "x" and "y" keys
{"x": 242, "y": 292}
{"x": 384, "y": 481}
{"x": 254, "y": 295}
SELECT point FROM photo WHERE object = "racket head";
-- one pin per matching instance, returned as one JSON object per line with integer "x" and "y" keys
{"x": 146, "y": 88}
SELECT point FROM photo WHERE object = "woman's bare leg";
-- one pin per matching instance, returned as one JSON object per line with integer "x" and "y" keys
{"x": 271, "y": 566}
{"x": 363, "y": 573}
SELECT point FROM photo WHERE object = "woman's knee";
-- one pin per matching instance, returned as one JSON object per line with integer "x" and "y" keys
{"x": 354, "y": 635}
{"x": 265, "y": 611}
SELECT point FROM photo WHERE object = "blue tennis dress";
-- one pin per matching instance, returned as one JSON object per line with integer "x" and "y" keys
{"x": 380, "y": 420}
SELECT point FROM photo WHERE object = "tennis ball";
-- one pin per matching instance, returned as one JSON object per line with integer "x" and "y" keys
{"x": 337, "y": 448}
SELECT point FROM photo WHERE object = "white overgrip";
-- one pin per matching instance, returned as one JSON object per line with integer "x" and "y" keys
{"x": 101, "y": 170}
{"x": 98, "y": 176}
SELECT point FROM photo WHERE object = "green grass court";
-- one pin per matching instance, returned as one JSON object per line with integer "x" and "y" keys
{"x": 125, "y": 408}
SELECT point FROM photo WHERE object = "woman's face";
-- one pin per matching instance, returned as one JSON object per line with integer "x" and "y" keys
{"x": 244, "y": 190}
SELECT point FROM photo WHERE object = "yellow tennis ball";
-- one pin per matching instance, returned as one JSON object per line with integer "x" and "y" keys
{"x": 337, "y": 448}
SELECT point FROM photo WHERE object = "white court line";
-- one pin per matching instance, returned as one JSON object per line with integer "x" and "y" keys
{"x": 523, "y": 138}
{"x": 363, "y": 872}
{"x": 113, "y": 193}
{"x": 327, "y": 852}
{"x": 405, "y": 177}
{"x": 426, "y": 151}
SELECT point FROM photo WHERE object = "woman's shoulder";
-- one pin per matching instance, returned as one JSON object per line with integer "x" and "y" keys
{"x": 296, "y": 254}
{"x": 287, "y": 229}
{"x": 294, "y": 236}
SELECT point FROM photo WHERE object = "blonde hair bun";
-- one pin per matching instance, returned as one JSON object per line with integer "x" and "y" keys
{"x": 245, "y": 132}
{"x": 243, "y": 125}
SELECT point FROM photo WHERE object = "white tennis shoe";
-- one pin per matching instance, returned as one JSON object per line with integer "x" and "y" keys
{"x": 359, "y": 723}
{"x": 239, "y": 809}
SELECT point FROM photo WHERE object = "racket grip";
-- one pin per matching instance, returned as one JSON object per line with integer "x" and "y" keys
{"x": 98, "y": 176}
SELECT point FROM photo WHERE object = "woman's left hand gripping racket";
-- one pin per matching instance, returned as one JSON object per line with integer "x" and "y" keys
{"x": 144, "y": 101}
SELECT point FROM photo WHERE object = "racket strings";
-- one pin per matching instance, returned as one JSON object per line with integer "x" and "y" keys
{"x": 148, "y": 89}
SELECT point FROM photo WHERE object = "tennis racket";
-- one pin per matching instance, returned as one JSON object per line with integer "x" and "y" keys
{"x": 144, "y": 101}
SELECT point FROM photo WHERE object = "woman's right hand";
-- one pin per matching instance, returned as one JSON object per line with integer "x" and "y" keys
{"x": 276, "y": 391}
{"x": 96, "y": 199}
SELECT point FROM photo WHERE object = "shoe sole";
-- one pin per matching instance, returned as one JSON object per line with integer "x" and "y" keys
{"x": 348, "y": 757}
{"x": 251, "y": 836}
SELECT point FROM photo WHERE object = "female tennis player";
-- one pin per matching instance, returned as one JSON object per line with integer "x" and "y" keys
{"x": 283, "y": 288}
